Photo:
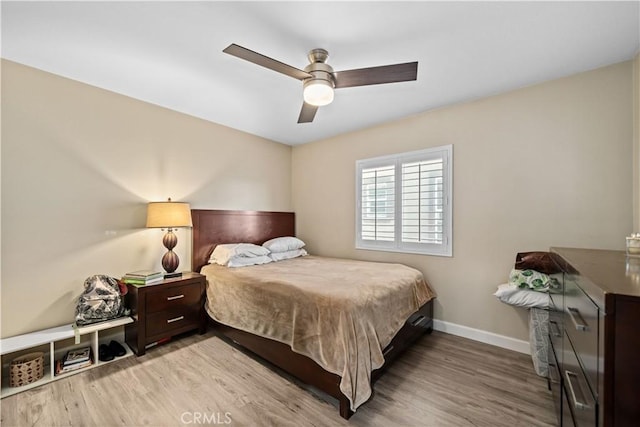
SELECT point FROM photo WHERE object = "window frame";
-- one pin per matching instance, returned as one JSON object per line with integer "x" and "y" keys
{"x": 397, "y": 160}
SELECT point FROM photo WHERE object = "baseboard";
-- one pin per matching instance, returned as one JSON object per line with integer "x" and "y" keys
{"x": 483, "y": 336}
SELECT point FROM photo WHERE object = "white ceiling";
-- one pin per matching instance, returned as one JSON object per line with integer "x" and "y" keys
{"x": 170, "y": 53}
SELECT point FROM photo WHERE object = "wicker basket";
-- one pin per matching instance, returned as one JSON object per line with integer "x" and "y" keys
{"x": 26, "y": 369}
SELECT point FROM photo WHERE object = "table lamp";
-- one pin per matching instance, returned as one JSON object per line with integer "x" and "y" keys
{"x": 169, "y": 215}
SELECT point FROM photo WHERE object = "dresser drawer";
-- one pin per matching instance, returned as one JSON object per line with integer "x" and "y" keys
{"x": 567, "y": 415}
{"x": 555, "y": 383}
{"x": 555, "y": 326}
{"x": 175, "y": 296}
{"x": 168, "y": 321}
{"x": 556, "y": 300}
{"x": 579, "y": 395}
{"x": 581, "y": 317}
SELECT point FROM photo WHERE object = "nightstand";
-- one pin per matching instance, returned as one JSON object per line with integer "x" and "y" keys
{"x": 165, "y": 309}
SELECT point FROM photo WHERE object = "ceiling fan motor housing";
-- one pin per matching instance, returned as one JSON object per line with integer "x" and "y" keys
{"x": 319, "y": 71}
{"x": 317, "y": 55}
{"x": 318, "y": 67}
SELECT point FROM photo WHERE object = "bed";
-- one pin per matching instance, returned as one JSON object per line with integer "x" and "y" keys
{"x": 287, "y": 349}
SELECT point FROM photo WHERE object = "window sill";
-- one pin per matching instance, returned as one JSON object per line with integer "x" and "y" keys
{"x": 405, "y": 251}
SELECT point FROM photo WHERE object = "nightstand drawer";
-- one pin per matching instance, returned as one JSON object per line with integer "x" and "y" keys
{"x": 165, "y": 322}
{"x": 176, "y": 296}
{"x": 165, "y": 309}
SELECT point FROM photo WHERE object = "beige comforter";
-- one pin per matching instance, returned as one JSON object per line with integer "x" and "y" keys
{"x": 340, "y": 313}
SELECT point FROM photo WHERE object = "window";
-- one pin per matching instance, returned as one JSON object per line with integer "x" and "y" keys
{"x": 403, "y": 202}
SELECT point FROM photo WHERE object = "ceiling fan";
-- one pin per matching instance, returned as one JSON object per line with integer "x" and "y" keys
{"x": 319, "y": 79}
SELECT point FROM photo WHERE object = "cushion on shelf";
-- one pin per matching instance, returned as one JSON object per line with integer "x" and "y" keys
{"x": 513, "y": 295}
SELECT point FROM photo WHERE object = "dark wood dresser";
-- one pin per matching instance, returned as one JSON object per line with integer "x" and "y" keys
{"x": 165, "y": 309}
{"x": 594, "y": 352}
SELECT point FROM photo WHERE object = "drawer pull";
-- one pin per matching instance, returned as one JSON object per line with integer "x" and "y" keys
{"x": 574, "y": 314}
{"x": 387, "y": 351}
{"x": 175, "y": 319}
{"x": 555, "y": 329}
{"x": 417, "y": 321}
{"x": 175, "y": 297}
{"x": 576, "y": 404}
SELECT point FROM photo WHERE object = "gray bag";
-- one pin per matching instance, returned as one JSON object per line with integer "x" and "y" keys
{"x": 100, "y": 301}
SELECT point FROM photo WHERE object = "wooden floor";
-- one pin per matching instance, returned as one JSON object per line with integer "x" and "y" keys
{"x": 442, "y": 380}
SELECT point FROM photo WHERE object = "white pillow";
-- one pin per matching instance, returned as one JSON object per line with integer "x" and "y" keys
{"x": 283, "y": 244}
{"x": 243, "y": 261}
{"x": 223, "y": 253}
{"x": 511, "y": 294}
{"x": 279, "y": 256}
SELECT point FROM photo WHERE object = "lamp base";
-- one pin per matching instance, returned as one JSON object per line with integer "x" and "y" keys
{"x": 172, "y": 275}
{"x": 170, "y": 260}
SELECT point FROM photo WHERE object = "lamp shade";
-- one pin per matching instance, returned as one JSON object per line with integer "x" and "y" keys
{"x": 168, "y": 215}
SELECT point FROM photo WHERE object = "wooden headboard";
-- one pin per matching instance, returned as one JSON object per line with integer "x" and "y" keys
{"x": 212, "y": 227}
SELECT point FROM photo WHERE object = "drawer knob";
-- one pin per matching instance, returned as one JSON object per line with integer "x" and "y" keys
{"x": 175, "y": 319}
{"x": 576, "y": 403}
{"x": 577, "y": 319}
{"x": 175, "y": 297}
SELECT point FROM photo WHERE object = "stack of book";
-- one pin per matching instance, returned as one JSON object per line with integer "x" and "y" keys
{"x": 143, "y": 277}
{"x": 74, "y": 359}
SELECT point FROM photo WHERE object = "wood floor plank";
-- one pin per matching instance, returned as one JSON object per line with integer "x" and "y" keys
{"x": 443, "y": 380}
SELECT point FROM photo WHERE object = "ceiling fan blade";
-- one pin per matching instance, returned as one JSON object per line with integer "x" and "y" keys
{"x": 377, "y": 75}
{"x": 307, "y": 113}
{"x": 265, "y": 61}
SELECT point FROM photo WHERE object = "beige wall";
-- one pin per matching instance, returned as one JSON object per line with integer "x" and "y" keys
{"x": 636, "y": 144}
{"x": 542, "y": 166}
{"x": 547, "y": 165}
{"x": 78, "y": 166}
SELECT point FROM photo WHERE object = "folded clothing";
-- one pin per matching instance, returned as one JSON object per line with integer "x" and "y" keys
{"x": 529, "y": 279}
{"x": 539, "y": 261}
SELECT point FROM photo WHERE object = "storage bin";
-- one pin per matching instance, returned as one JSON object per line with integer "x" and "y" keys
{"x": 26, "y": 369}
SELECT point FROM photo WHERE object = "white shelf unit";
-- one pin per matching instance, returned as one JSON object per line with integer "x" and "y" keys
{"x": 54, "y": 343}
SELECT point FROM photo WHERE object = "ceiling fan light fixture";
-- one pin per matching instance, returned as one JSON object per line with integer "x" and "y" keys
{"x": 318, "y": 92}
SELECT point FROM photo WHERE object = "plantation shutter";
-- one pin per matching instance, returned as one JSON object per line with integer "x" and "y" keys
{"x": 423, "y": 201}
{"x": 378, "y": 203}
{"x": 403, "y": 202}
